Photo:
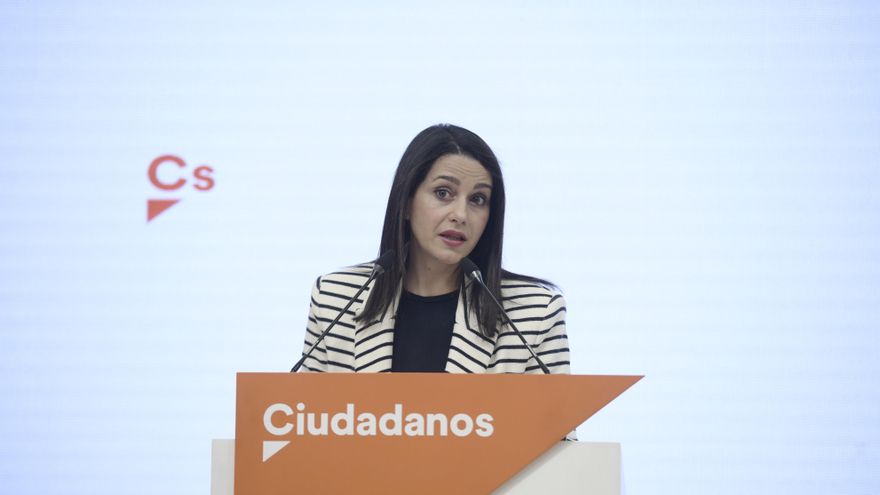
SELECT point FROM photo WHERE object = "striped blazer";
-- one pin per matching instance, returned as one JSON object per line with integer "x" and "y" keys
{"x": 362, "y": 346}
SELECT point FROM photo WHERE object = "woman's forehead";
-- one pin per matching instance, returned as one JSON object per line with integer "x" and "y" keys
{"x": 460, "y": 167}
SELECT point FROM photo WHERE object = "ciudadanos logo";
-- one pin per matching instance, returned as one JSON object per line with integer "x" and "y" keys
{"x": 286, "y": 423}
{"x": 170, "y": 175}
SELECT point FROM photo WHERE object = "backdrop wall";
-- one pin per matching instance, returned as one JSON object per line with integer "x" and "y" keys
{"x": 700, "y": 179}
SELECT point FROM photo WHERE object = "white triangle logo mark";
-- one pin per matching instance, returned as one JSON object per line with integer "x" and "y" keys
{"x": 271, "y": 447}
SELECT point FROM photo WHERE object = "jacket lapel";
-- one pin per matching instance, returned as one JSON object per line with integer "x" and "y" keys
{"x": 469, "y": 350}
{"x": 374, "y": 340}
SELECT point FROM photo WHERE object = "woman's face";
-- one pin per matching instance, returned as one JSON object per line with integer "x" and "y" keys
{"x": 449, "y": 210}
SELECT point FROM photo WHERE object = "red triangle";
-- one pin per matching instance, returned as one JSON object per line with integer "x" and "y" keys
{"x": 157, "y": 206}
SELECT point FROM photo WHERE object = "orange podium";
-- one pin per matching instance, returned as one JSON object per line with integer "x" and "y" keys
{"x": 403, "y": 432}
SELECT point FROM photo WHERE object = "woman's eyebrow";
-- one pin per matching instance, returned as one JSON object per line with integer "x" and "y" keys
{"x": 457, "y": 182}
{"x": 450, "y": 178}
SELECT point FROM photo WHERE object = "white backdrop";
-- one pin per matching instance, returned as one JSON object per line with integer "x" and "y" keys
{"x": 700, "y": 179}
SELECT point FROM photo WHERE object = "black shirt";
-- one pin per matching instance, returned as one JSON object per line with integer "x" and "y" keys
{"x": 423, "y": 331}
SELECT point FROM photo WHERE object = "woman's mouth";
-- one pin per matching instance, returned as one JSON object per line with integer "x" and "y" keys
{"x": 452, "y": 239}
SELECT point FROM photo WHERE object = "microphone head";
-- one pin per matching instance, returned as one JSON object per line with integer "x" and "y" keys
{"x": 383, "y": 262}
{"x": 471, "y": 269}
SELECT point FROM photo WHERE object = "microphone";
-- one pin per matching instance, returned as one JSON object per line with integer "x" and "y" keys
{"x": 470, "y": 269}
{"x": 381, "y": 264}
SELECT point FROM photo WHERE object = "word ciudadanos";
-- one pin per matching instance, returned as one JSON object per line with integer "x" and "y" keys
{"x": 281, "y": 420}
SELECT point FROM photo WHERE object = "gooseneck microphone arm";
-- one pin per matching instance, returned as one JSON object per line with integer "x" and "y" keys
{"x": 379, "y": 267}
{"x": 470, "y": 268}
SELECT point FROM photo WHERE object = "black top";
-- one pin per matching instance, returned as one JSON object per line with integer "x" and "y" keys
{"x": 423, "y": 332}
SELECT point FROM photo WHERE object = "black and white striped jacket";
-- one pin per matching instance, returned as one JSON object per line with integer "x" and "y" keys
{"x": 360, "y": 346}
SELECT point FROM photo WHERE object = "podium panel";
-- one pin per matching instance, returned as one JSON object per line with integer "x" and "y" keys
{"x": 428, "y": 433}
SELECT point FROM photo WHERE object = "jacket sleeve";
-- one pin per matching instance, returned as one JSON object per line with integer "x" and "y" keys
{"x": 553, "y": 347}
{"x": 318, "y": 360}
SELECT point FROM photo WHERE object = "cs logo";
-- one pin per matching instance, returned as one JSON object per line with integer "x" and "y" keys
{"x": 202, "y": 178}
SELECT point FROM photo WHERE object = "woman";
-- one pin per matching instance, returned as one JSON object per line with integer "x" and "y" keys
{"x": 423, "y": 313}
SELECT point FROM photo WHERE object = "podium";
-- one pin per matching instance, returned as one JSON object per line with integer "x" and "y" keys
{"x": 416, "y": 433}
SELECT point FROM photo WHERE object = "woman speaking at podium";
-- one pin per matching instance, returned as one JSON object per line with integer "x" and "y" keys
{"x": 432, "y": 303}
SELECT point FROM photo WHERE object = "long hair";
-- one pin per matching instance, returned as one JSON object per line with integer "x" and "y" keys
{"x": 428, "y": 146}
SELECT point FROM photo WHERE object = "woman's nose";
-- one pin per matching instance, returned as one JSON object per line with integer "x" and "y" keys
{"x": 459, "y": 211}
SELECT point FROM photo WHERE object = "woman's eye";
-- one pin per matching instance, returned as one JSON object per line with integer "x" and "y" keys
{"x": 442, "y": 193}
{"x": 480, "y": 200}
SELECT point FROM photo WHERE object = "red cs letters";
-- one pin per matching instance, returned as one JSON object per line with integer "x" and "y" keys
{"x": 203, "y": 174}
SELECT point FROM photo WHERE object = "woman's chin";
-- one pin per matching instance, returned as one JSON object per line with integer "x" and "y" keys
{"x": 447, "y": 256}
{"x": 451, "y": 258}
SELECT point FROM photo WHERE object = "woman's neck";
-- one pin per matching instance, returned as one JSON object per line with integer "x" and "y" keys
{"x": 431, "y": 279}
